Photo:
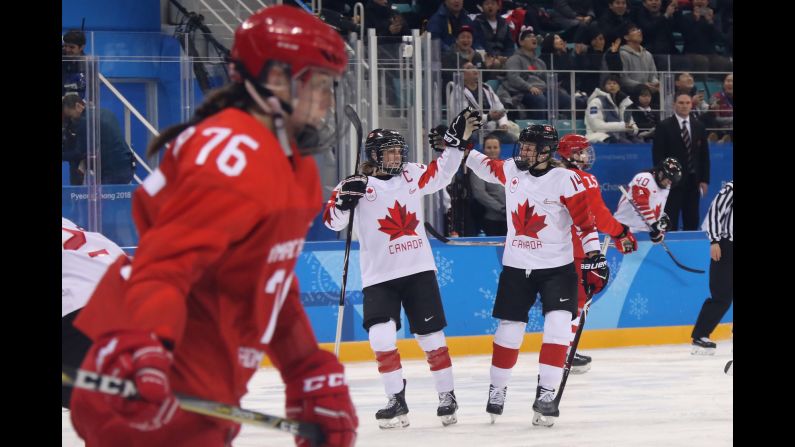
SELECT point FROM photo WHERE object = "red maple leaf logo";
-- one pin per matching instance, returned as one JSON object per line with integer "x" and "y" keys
{"x": 526, "y": 222}
{"x": 398, "y": 222}
{"x": 657, "y": 211}
{"x": 495, "y": 166}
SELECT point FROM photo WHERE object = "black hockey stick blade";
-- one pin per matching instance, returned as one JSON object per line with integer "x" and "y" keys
{"x": 429, "y": 228}
{"x": 635, "y": 207}
{"x": 88, "y": 380}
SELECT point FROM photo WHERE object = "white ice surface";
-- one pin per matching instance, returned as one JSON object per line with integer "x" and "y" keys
{"x": 639, "y": 396}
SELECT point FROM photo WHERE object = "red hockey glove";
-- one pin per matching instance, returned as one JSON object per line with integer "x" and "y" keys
{"x": 595, "y": 273}
{"x": 141, "y": 357}
{"x": 317, "y": 392}
{"x": 625, "y": 242}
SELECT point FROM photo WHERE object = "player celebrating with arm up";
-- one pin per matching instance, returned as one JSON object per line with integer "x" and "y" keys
{"x": 542, "y": 203}
{"x": 222, "y": 222}
{"x": 577, "y": 154}
{"x": 649, "y": 190}
{"x": 395, "y": 258}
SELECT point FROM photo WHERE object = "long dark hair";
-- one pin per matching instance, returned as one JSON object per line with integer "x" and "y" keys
{"x": 230, "y": 95}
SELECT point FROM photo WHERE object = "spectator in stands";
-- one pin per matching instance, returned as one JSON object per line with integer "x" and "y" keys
{"x": 684, "y": 138}
{"x": 701, "y": 37}
{"x": 644, "y": 116}
{"x": 447, "y": 22}
{"x": 557, "y": 56}
{"x": 722, "y": 108}
{"x": 523, "y": 85}
{"x": 73, "y": 64}
{"x": 116, "y": 160}
{"x": 490, "y": 196}
{"x": 595, "y": 58}
{"x": 387, "y": 22}
{"x": 494, "y": 117}
{"x": 608, "y": 120}
{"x": 684, "y": 82}
{"x": 615, "y": 20}
{"x": 570, "y": 15}
{"x": 462, "y": 52}
{"x": 658, "y": 28}
{"x": 494, "y": 31}
{"x": 638, "y": 65}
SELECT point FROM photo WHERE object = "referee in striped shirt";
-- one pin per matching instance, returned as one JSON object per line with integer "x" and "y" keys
{"x": 719, "y": 226}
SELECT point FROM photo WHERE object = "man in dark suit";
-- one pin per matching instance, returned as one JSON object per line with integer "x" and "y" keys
{"x": 684, "y": 138}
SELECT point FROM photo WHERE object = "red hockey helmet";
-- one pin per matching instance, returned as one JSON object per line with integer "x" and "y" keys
{"x": 289, "y": 35}
{"x": 576, "y": 149}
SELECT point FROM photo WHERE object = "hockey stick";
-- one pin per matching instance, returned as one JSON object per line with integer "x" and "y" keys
{"x": 87, "y": 380}
{"x": 357, "y": 124}
{"x": 576, "y": 341}
{"x": 635, "y": 207}
{"x": 447, "y": 241}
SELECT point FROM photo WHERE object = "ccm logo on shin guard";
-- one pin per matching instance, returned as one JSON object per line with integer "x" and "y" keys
{"x": 317, "y": 382}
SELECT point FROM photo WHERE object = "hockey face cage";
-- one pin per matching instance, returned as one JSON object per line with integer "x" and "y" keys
{"x": 545, "y": 138}
{"x": 379, "y": 141}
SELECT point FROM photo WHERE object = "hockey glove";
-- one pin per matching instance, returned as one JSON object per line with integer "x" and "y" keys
{"x": 317, "y": 392}
{"x": 625, "y": 242}
{"x": 461, "y": 129}
{"x": 595, "y": 274}
{"x": 436, "y": 138}
{"x": 141, "y": 357}
{"x": 658, "y": 229}
{"x": 351, "y": 190}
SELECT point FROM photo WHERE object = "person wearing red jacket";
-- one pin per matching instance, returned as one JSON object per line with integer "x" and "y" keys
{"x": 222, "y": 221}
{"x": 577, "y": 154}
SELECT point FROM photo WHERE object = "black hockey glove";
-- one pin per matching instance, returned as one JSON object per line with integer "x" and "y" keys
{"x": 658, "y": 229}
{"x": 595, "y": 273}
{"x": 462, "y": 127}
{"x": 351, "y": 190}
{"x": 436, "y": 138}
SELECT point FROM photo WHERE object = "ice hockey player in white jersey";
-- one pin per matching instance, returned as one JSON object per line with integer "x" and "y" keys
{"x": 649, "y": 191}
{"x": 542, "y": 203}
{"x": 85, "y": 256}
{"x": 396, "y": 261}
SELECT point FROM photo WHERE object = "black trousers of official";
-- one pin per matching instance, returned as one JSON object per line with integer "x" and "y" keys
{"x": 683, "y": 199}
{"x": 721, "y": 287}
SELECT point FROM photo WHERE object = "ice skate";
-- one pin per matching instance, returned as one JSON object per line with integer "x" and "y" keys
{"x": 394, "y": 414}
{"x": 703, "y": 346}
{"x": 496, "y": 401}
{"x": 545, "y": 408}
{"x": 580, "y": 364}
{"x": 447, "y": 408}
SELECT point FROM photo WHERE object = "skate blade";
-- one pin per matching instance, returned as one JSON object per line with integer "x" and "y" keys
{"x": 448, "y": 419}
{"x": 698, "y": 350}
{"x": 493, "y": 417}
{"x": 544, "y": 421}
{"x": 580, "y": 369}
{"x": 401, "y": 421}
{"x": 729, "y": 368}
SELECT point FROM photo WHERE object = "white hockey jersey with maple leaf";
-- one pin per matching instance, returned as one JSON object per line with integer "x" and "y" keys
{"x": 388, "y": 219}
{"x": 540, "y": 212}
{"x": 649, "y": 198}
{"x": 85, "y": 256}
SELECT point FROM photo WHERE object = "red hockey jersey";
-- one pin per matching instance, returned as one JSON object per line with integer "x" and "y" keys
{"x": 605, "y": 222}
{"x": 221, "y": 223}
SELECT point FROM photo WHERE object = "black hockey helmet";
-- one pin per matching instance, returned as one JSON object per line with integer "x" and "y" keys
{"x": 379, "y": 140}
{"x": 545, "y": 138}
{"x": 670, "y": 169}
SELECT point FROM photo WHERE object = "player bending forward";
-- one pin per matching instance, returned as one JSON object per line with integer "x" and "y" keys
{"x": 577, "y": 154}
{"x": 542, "y": 202}
{"x": 395, "y": 258}
{"x": 649, "y": 191}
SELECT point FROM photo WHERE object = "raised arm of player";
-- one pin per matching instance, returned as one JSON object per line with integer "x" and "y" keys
{"x": 492, "y": 171}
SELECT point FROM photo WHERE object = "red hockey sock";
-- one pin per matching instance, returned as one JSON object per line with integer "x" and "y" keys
{"x": 439, "y": 359}
{"x": 388, "y": 361}
{"x": 553, "y": 354}
{"x": 503, "y": 357}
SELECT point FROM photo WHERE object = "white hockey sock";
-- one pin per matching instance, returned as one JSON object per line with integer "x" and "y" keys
{"x": 555, "y": 344}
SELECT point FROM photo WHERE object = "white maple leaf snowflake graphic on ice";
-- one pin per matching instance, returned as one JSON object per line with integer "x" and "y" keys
{"x": 638, "y": 306}
{"x": 444, "y": 267}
